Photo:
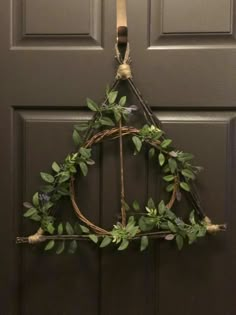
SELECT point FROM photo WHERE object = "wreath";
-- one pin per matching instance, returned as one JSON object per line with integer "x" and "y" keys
{"x": 157, "y": 220}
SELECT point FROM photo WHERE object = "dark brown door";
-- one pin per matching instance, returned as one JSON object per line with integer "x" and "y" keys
{"x": 56, "y": 53}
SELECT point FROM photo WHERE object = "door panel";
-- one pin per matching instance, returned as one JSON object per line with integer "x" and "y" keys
{"x": 185, "y": 67}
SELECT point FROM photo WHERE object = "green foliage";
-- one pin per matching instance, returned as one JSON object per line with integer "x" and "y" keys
{"x": 169, "y": 178}
{"x": 166, "y": 143}
{"x": 106, "y": 241}
{"x": 93, "y": 238}
{"x": 178, "y": 172}
{"x": 151, "y": 153}
{"x": 136, "y": 205}
{"x": 49, "y": 245}
{"x": 137, "y": 142}
{"x": 92, "y": 105}
{"x": 122, "y": 234}
{"x": 47, "y": 177}
{"x": 163, "y": 219}
{"x": 161, "y": 158}
{"x": 144, "y": 243}
{"x": 76, "y": 137}
{"x": 184, "y": 186}
{"x": 124, "y": 244}
{"x": 72, "y": 247}
{"x": 60, "y": 247}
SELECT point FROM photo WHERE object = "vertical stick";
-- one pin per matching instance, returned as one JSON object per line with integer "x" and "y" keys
{"x": 122, "y": 186}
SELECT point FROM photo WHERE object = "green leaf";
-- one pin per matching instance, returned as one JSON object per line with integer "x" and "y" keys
{"x": 146, "y": 224}
{"x": 122, "y": 101}
{"x": 192, "y": 218}
{"x": 179, "y": 241}
{"x": 136, "y": 205}
{"x": 166, "y": 143}
{"x": 35, "y": 217}
{"x": 84, "y": 168}
{"x": 201, "y": 231}
{"x": 72, "y": 247}
{"x": 151, "y": 153}
{"x": 27, "y": 205}
{"x": 50, "y": 228}
{"x": 191, "y": 237}
{"x": 183, "y": 157}
{"x": 60, "y": 248}
{"x": 47, "y": 177}
{"x": 64, "y": 177}
{"x": 169, "y": 237}
{"x": 125, "y": 205}
{"x": 117, "y": 115}
{"x": 49, "y": 245}
{"x": 56, "y": 167}
{"x": 63, "y": 190}
{"x": 170, "y": 214}
{"x": 93, "y": 238}
{"x": 161, "y": 158}
{"x": 172, "y": 227}
{"x": 48, "y": 205}
{"x": 185, "y": 186}
{"x": 81, "y": 127}
{"x": 168, "y": 178}
{"x": 106, "y": 121}
{"x": 173, "y": 153}
{"x": 60, "y": 229}
{"x": 47, "y": 188}
{"x": 105, "y": 242}
{"x": 77, "y": 228}
{"x": 90, "y": 162}
{"x": 84, "y": 229}
{"x": 35, "y": 199}
{"x": 30, "y": 212}
{"x": 170, "y": 187}
{"x": 112, "y": 97}
{"x": 124, "y": 244}
{"x": 76, "y": 137}
{"x": 69, "y": 228}
{"x": 161, "y": 207}
{"x": 85, "y": 153}
{"x": 137, "y": 142}
{"x": 92, "y": 105}
{"x": 187, "y": 173}
{"x": 173, "y": 165}
{"x": 144, "y": 243}
{"x": 151, "y": 204}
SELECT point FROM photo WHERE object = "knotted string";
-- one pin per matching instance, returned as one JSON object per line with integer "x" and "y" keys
{"x": 37, "y": 237}
{"x": 213, "y": 228}
{"x": 124, "y": 70}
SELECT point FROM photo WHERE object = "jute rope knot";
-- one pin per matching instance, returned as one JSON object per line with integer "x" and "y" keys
{"x": 213, "y": 228}
{"x": 37, "y": 237}
{"x": 124, "y": 70}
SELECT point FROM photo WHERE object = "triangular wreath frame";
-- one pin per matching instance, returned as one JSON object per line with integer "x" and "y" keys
{"x": 157, "y": 221}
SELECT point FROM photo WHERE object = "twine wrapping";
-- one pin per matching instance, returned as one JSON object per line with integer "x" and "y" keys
{"x": 37, "y": 237}
{"x": 124, "y": 70}
{"x": 213, "y": 228}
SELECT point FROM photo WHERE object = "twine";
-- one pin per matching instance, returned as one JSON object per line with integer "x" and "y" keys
{"x": 37, "y": 237}
{"x": 213, "y": 228}
{"x": 124, "y": 70}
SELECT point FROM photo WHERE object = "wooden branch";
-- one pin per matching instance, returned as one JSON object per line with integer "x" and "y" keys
{"x": 25, "y": 239}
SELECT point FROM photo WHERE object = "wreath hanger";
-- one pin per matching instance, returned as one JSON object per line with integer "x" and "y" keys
{"x": 109, "y": 122}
